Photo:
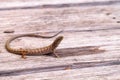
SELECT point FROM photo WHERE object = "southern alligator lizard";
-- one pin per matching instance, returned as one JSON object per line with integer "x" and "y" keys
{"x": 44, "y": 50}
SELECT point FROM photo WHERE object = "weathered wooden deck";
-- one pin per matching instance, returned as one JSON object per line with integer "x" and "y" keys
{"x": 90, "y": 49}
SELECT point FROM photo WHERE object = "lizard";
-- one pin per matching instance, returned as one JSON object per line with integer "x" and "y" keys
{"x": 43, "y": 50}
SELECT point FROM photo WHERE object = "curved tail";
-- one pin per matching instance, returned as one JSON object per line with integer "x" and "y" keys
{"x": 7, "y": 45}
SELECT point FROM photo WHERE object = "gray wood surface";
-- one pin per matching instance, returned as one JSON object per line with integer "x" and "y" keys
{"x": 90, "y": 49}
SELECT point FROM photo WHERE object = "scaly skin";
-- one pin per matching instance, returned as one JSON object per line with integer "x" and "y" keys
{"x": 44, "y": 50}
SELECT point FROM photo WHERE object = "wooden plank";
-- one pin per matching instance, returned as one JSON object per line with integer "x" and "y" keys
{"x": 102, "y": 44}
{"x": 90, "y": 49}
{"x": 72, "y": 18}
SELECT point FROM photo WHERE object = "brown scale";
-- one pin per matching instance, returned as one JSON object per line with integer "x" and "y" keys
{"x": 45, "y": 50}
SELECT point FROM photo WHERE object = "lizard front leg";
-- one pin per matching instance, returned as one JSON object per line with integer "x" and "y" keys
{"x": 23, "y": 53}
{"x": 56, "y": 55}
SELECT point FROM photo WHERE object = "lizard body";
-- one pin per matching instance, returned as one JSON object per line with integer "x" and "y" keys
{"x": 44, "y": 50}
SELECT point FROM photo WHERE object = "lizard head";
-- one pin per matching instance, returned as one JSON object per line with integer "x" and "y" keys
{"x": 57, "y": 41}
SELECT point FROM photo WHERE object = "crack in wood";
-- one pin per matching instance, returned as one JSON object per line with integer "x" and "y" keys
{"x": 73, "y": 30}
{"x": 97, "y": 3}
{"x": 78, "y": 65}
{"x": 92, "y": 29}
